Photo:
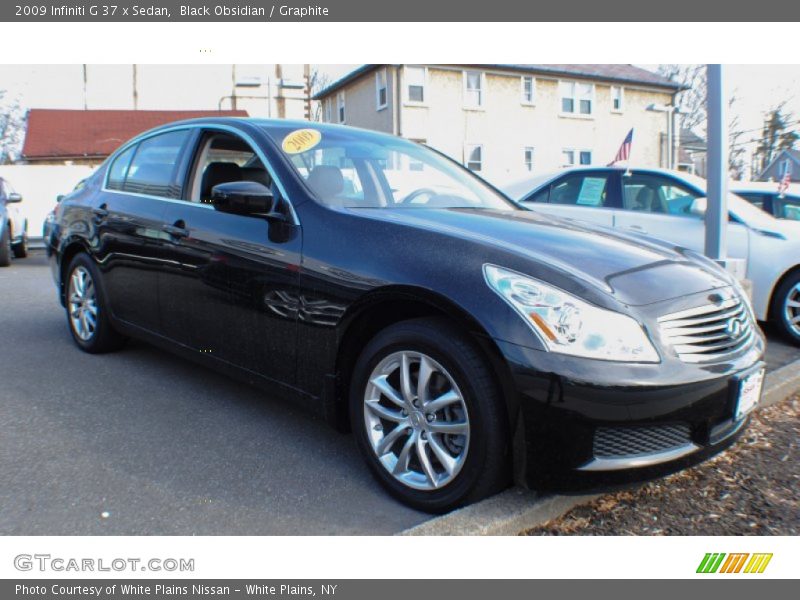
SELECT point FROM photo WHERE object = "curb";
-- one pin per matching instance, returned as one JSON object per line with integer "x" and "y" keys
{"x": 513, "y": 511}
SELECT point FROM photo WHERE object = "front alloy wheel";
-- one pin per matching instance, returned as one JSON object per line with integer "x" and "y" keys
{"x": 785, "y": 309}
{"x": 416, "y": 420}
{"x": 429, "y": 416}
{"x": 791, "y": 308}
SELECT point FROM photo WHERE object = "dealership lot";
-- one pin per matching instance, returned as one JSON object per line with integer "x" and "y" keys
{"x": 141, "y": 442}
{"x": 159, "y": 444}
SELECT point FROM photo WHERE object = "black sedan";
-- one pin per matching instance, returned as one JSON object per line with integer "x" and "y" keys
{"x": 465, "y": 342}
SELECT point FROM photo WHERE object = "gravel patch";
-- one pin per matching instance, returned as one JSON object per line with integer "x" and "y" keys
{"x": 751, "y": 489}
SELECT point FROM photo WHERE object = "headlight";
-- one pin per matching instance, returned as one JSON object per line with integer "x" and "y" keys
{"x": 569, "y": 325}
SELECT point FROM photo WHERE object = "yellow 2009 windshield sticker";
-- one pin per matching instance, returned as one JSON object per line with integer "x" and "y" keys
{"x": 301, "y": 140}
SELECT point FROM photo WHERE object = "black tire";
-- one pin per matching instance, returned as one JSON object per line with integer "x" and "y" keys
{"x": 5, "y": 247}
{"x": 487, "y": 465}
{"x": 104, "y": 338}
{"x": 21, "y": 249}
{"x": 778, "y": 310}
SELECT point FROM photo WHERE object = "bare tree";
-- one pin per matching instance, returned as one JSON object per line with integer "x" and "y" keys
{"x": 691, "y": 100}
{"x": 778, "y": 134}
{"x": 12, "y": 128}
{"x": 317, "y": 82}
{"x": 736, "y": 149}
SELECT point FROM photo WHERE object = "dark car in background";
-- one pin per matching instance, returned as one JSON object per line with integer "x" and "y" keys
{"x": 13, "y": 225}
{"x": 466, "y": 342}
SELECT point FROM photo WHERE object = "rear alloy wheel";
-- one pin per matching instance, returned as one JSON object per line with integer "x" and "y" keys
{"x": 82, "y": 304}
{"x": 786, "y": 308}
{"x": 428, "y": 417}
{"x": 86, "y": 313}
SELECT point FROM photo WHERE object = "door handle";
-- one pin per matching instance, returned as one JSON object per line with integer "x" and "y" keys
{"x": 638, "y": 229}
{"x": 177, "y": 229}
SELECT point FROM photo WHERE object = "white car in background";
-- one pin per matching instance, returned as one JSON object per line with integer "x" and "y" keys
{"x": 765, "y": 195}
{"x": 671, "y": 206}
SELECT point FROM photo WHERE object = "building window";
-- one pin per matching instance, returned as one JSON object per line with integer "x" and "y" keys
{"x": 473, "y": 89}
{"x": 528, "y": 155}
{"x": 473, "y": 156}
{"x": 576, "y": 97}
{"x": 569, "y": 155}
{"x": 415, "y": 84}
{"x": 340, "y": 106}
{"x": 328, "y": 110}
{"x": 617, "y": 98}
{"x": 381, "y": 91}
{"x": 528, "y": 89}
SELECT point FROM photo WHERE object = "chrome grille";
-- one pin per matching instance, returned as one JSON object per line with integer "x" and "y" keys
{"x": 613, "y": 442}
{"x": 709, "y": 333}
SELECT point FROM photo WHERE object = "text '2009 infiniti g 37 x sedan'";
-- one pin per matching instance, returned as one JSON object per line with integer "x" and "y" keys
{"x": 467, "y": 343}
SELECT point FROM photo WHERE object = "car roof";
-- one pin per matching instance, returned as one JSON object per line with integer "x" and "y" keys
{"x": 243, "y": 122}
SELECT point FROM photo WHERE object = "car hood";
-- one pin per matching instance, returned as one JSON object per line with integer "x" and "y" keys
{"x": 633, "y": 269}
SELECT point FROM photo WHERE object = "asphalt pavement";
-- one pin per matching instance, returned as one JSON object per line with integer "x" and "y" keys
{"x": 140, "y": 442}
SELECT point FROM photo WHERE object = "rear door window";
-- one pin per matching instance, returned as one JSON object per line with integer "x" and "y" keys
{"x": 155, "y": 164}
{"x": 119, "y": 169}
{"x": 788, "y": 207}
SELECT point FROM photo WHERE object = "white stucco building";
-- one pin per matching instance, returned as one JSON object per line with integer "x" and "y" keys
{"x": 509, "y": 120}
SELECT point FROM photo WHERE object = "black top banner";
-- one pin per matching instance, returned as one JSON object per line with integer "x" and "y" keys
{"x": 400, "y": 10}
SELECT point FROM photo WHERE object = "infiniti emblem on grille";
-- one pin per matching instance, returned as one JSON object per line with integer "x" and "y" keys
{"x": 734, "y": 328}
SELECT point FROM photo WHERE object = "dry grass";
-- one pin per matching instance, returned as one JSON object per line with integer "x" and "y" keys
{"x": 751, "y": 489}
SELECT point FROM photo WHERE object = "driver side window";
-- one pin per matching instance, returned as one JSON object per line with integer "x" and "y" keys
{"x": 653, "y": 193}
{"x": 225, "y": 158}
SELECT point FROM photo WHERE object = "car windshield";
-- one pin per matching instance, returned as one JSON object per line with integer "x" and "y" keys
{"x": 360, "y": 169}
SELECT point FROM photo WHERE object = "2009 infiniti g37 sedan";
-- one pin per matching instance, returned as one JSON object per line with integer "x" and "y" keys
{"x": 467, "y": 343}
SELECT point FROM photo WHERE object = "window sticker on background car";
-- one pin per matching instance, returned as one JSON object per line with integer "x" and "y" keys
{"x": 592, "y": 191}
{"x": 301, "y": 140}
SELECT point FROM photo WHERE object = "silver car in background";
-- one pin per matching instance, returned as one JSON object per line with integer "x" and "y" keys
{"x": 671, "y": 206}
{"x": 13, "y": 225}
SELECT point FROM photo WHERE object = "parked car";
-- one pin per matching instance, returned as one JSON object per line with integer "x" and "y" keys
{"x": 765, "y": 196}
{"x": 462, "y": 339}
{"x": 13, "y": 225}
{"x": 671, "y": 206}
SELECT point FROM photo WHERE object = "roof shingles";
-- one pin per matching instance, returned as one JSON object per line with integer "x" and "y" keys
{"x": 64, "y": 134}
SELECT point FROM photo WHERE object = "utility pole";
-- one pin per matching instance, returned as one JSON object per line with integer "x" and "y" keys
{"x": 717, "y": 208}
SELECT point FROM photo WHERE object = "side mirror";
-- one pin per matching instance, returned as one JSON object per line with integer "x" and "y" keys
{"x": 699, "y": 207}
{"x": 14, "y": 197}
{"x": 243, "y": 198}
{"x": 59, "y": 198}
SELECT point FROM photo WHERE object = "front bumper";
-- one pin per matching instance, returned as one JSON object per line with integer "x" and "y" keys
{"x": 601, "y": 423}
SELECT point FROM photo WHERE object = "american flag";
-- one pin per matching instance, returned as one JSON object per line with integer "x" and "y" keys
{"x": 624, "y": 152}
{"x": 786, "y": 179}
